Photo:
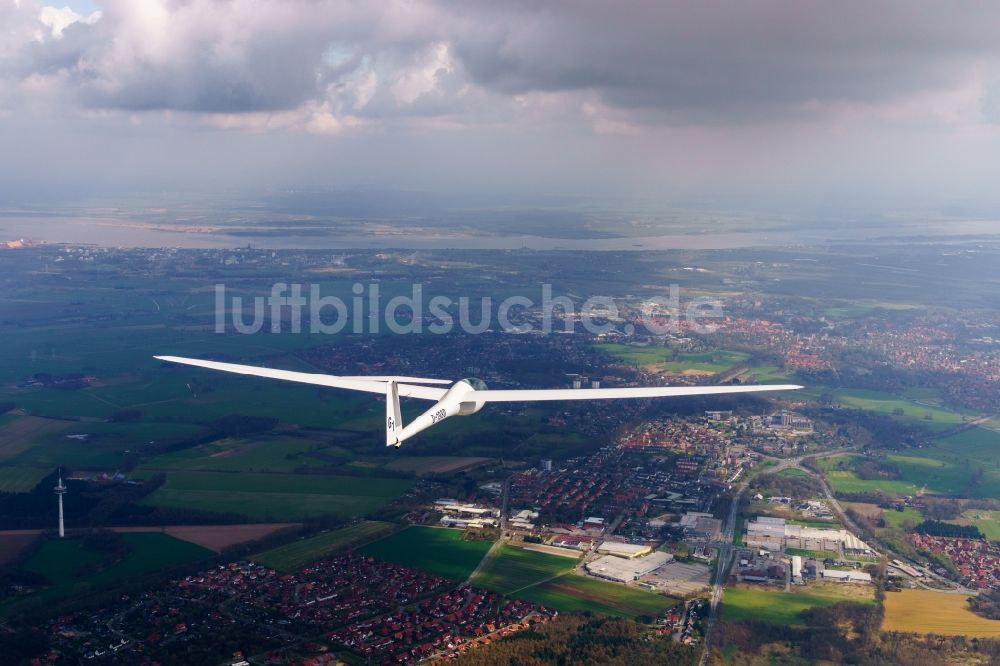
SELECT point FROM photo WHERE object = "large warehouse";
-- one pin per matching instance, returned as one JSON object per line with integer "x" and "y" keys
{"x": 776, "y": 534}
{"x": 624, "y": 570}
{"x": 625, "y": 550}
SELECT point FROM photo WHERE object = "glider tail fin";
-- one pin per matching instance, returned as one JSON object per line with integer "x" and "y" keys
{"x": 393, "y": 419}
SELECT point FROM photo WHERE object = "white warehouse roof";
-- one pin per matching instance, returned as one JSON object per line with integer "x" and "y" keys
{"x": 615, "y": 568}
{"x": 622, "y": 549}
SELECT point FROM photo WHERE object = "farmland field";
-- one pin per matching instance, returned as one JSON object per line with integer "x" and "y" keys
{"x": 863, "y": 306}
{"x": 919, "y": 473}
{"x": 217, "y": 537}
{"x": 780, "y": 607}
{"x": 896, "y": 519}
{"x": 767, "y": 373}
{"x": 572, "y": 592}
{"x": 435, "y": 464}
{"x": 663, "y": 359}
{"x": 57, "y": 560}
{"x": 14, "y": 542}
{"x": 264, "y": 454}
{"x": 916, "y": 411}
{"x": 988, "y": 522}
{"x": 962, "y": 456}
{"x": 928, "y": 612}
{"x": 276, "y": 496}
{"x": 515, "y": 568}
{"x": 870, "y": 511}
{"x": 21, "y": 432}
{"x": 438, "y": 550}
{"x": 103, "y": 445}
{"x": 21, "y": 479}
{"x": 297, "y": 554}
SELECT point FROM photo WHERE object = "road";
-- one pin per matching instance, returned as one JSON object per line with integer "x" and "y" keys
{"x": 721, "y": 571}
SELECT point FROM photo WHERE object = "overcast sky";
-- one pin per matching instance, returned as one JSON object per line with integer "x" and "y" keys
{"x": 885, "y": 104}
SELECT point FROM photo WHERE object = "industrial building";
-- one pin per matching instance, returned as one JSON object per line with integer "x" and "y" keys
{"x": 847, "y": 576}
{"x": 523, "y": 520}
{"x": 460, "y": 514}
{"x": 701, "y": 526}
{"x": 626, "y": 550}
{"x": 796, "y": 568}
{"x": 777, "y": 534}
{"x": 622, "y": 570}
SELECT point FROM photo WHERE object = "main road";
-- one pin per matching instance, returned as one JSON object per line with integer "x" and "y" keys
{"x": 721, "y": 571}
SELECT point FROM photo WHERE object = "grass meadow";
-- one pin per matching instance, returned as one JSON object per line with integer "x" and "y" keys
{"x": 21, "y": 479}
{"x": 574, "y": 593}
{"x": 514, "y": 569}
{"x": 297, "y": 554}
{"x": 58, "y": 560}
{"x": 266, "y": 496}
{"x": 779, "y": 607}
{"x": 438, "y": 550}
{"x": 663, "y": 359}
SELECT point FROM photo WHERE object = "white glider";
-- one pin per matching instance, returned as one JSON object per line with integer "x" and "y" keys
{"x": 461, "y": 398}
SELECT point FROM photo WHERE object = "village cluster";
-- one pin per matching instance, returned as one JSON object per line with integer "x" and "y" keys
{"x": 978, "y": 560}
{"x": 386, "y": 612}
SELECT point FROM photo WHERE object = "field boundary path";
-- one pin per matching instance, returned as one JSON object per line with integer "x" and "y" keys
{"x": 492, "y": 552}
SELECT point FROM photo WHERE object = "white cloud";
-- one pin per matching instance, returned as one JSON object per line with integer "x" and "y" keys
{"x": 58, "y": 19}
{"x": 423, "y": 78}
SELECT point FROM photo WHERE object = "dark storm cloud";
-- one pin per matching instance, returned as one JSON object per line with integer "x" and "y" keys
{"x": 729, "y": 58}
{"x": 716, "y": 59}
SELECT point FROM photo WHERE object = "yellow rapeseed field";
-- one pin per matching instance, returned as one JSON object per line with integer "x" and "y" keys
{"x": 928, "y": 612}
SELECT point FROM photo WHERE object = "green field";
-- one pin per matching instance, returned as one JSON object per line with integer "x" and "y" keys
{"x": 918, "y": 408}
{"x": 767, "y": 373}
{"x": 57, "y": 560}
{"x": 963, "y": 455}
{"x": 988, "y": 522}
{"x": 964, "y": 464}
{"x": 261, "y": 454}
{"x": 784, "y": 608}
{"x": 276, "y": 496}
{"x": 437, "y": 550}
{"x": 862, "y": 307}
{"x": 21, "y": 479}
{"x": 573, "y": 593}
{"x": 513, "y": 569}
{"x": 664, "y": 359}
{"x": 895, "y": 519}
{"x": 846, "y": 481}
{"x": 295, "y": 555}
{"x": 105, "y": 446}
